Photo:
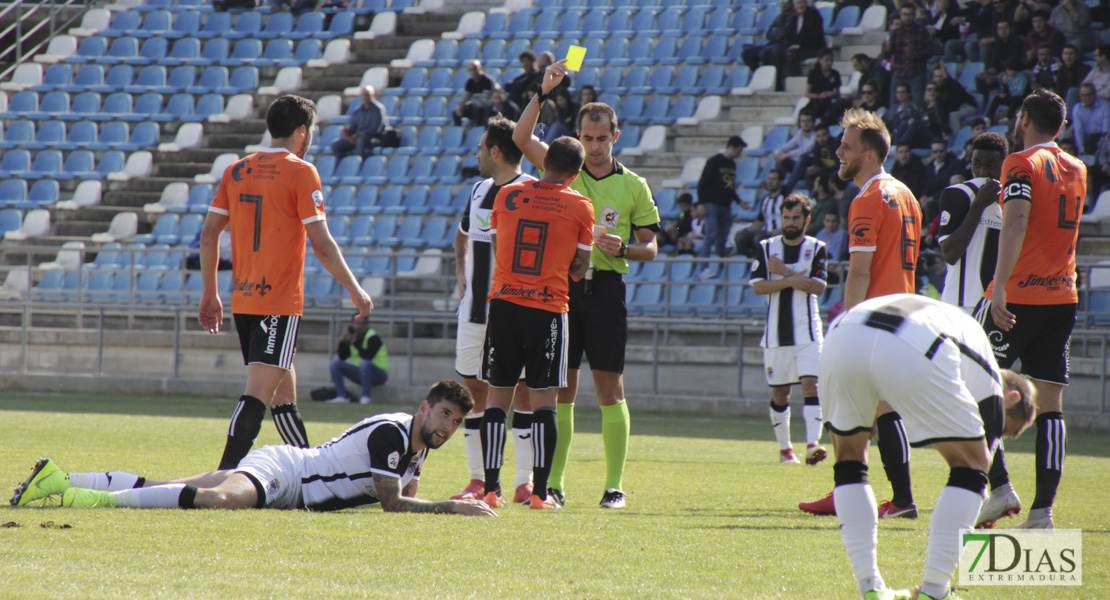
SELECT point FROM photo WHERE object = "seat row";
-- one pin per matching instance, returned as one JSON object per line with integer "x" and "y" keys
{"x": 706, "y": 300}
{"x": 620, "y": 22}
{"x": 85, "y": 135}
{"x": 119, "y": 106}
{"x": 425, "y": 169}
{"x": 153, "y": 78}
{"x": 164, "y": 25}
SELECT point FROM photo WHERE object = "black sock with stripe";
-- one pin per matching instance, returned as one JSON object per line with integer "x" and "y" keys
{"x": 493, "y": 447}
{"x": 998, "y": 474}
{"x": 241, "y": 433}
{"x": 894, "y": 449}
{"x": 287, "y": 419}
{"x": 1052, "y": 439}
{"x": 545, "y": 435}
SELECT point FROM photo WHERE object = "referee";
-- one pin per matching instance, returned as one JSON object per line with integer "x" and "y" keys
{"x": 598, "y": 318}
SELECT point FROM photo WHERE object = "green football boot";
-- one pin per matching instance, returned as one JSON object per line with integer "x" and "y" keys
{"x": 82, "y": 498}
{"x": 46, "y": 480}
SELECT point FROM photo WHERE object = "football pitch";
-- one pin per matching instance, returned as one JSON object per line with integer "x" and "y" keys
{"x": 711, "y": 514}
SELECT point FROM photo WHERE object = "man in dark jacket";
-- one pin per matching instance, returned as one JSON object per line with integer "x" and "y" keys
{"x": 360, "y": 356}
{"x": 717, "y": 191}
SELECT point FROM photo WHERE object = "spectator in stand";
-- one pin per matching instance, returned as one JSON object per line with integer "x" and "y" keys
{"x": 821, "y": 160}
{"x": 717, "y": 193}
{"x": 1005, "y": 47}
{"x": 364, "y": 131}
{"x": 872, "y": 71}
{"x": 545, "y": 60}
{"x": 823, "y": 89}
{"x": 586, "y": 95}
{"x": 935, "y": 119}
{"x": 1090, "y": 120}
{"x": 953, "y": 98}
{"x": 1073, "y": 19}
{"x": 835, "y": 238}
{"x": 476, "y": 96}
{"x": 1100, "y": 174}
{"x": 938, "y": 175}
{"x": 671, "y": 234}
{"x": 974, "y": 24}
{"x": 501, "y": 105}
{"x": 805, "y": 37}
{"x": 870, "y": 99}
{"x": 1014, "y": 86}
{"x": 909, "y": 47}
{"x": 767, "y": 224}
{"x": 1001, "y": 11}
{"x": 566, "y": 116}
{"x": 978, "y": 127}
{"x": 824, "y": 202}
{"x": 1100, "y": 75}
{"x": 1043, "y": 74}
{"x": 787, "y": 155}
{"x": 693, "y": 241}
{"x": 1071, "y": 73}
{"x": 1068, "y": 146}
{"x": 845, "y": 192}
{"x": 947, "y": 19}
{"x": 908, "y": 169}
{"x": 763, "y": 54}
{"x": 905, "y": 121}
{"x": 526, "y": 80}
{"x": 1043, "y": 33}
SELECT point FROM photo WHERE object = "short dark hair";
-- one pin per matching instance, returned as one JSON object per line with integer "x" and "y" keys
{"x": 287, "y": 113}
{"x": 991, "y": 142}
{"x": 778, "y": 172}
{"x": 939, "y": 140}
{"x": 1039, "y": 13}
{"x": 861, "y": 57}
{"x": 527, "y": 54}
{"x": 1046, "y": 110}
{"x": 565, "y": 156}
{"x": 451, "y": 391}
{"x": 736, "y": 141}
{"x": 499, "y": 134}
{"x": 1072, "y": 46}
{"x": 806, "y": 113}
{"x": 686, "y": 197}
{"x": 978, "y": 122}
{"x": 819, "y": 127}
{"x": 797, "y": 199}
{"x": 598, "y": 111}
{"x": 903, "y": 145}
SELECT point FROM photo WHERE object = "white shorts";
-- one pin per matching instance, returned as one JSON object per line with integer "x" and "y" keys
{"x": 861, "y": 365}
{"x": 278, "y": 472}
{"x": 468, "y": 349}
{"x": 785, "y": 365}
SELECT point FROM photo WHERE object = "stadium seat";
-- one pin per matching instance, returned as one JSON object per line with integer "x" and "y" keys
{"x": 249, "y": 51}
{"x": 14, "y": 164}
{"x": 49, "y": 135}
{"x": 36, "y": 223}
{"x": 147, "y": 135}
{"x": 249, "y": 24}
{"x": 643, "y": 24}
{"x": 22, "y": 105}
{"x": 847, "y": 17}
{"x": 545, "y": 25}
{"x": 200, "y": 196}
{"x": 453, "y": 140}
{"x": 775, "y": 138}
{"x": 278, "y": 26}
{"x": 122, "y": 50}
{"x": 54, "y": 105}
{"x": 152, "y": 51}
{"x": 17, "y": 135}
{"x": 164, "y": 228}
{"x": 374, "y": 170}
{"x": 77, "y": 164}
{"x": 655, "y": 111}
{"x": 10, "y": 220}
{"x": 421, "y": 171}
{"x": 46, "y": 164}
{"x": 439, "y": 201}
{"x": 309, "y": 24}
{"x": 185, "y": 24}
{"x": 88, "y": 51}
{"x": 346, "y": 171}
{"x": 216, "y": 51}
{"x": 124, "y": 23}
{"x": 56, "y": 77}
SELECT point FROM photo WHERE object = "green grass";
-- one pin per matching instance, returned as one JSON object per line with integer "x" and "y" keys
{"x": 711, "y": 515}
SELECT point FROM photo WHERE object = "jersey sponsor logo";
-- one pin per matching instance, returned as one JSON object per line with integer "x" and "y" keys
{"x": 271, "y": 333}
{"x": 510, "y": 200}
{"x": 861, "y": 228}
{"x": 247, "y": 287}
{"x": 318, "y": 198}
{"x": 516, "y": 291}
{"x": 610, "y": 217}
{"x": 1049, "y": 283}
{"x": 272, "y": 487}
{"x": 394, "y": 459}
{"x": 483, "y": 217}
{"x": 553, "y": 340}
{"x": 997, "y": 346}
{"x": 944, "y": 218}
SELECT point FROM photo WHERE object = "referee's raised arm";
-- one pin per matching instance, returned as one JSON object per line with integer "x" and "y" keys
{"x": 533, "y": 148}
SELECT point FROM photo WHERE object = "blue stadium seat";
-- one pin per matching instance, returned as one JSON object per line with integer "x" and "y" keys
{"x": 632, "y": 109}
{"x": 340, "y": 228}
{"x": 408, "y": 233}
{"x": 123, "y": 23}
{"x": 278, "y": 26}
{"x": 307, "y": 50}
{"x": 494, "y": 26}
{"x": 367, "y": 198}
{"x": 116, "y": 107}
{"x": 215, "y": 52}
{"x": 342, "y": 25}
{"x": 439, "y": 82}
{"x": 629, "y": 138}
{"x": 325, "y": 165}
{"x": 453, "y": 140}
{"x": 49, "y": 134}
{"x": 545, "y": 25}
{"x": 437, "y": 233}
{"x": 411, "y": 110}
{"x": 21, "y": 105}
{"x": 98, "y": 286}
{"x": 694, "y": 22}
{"x": 10, "y": 220}
{"x": 150, "y": 78}
{"x": 763, "y": 22}
{"x": 13, "y": 192}
{"x": 427, "y": 141}
{"x": 178, "y": 108}
{"x": 346, "y": 171}
{"x": 412, "y": 79}
{"x": 166, "y": 226}
{"x": 145, "y": 135}
{"x": 15, "y": 164}
{"x": 207, "y": 105}
{"x": 969, "y": 73}
{"x": 738, "y": 76}
{"x": 660, "y": 82}
{"x": 397, "y": 170}
{"x": 200, "y": 196}
{"x": 635, "y": 82}
{"x": 619, "y": 23}
{"x": 610, "y": 80}
{"x": 847, "y": 17}
{"x": 361, "y": 232}
{"x": 246, "y": 51}
{"x": 81, "y": 134}
{"x": 342, "y": 201}
{"x": 775, "y": 138}
{"x": 643, "y": 24}
{"x": 212, "y": 79}
{"x": 117, "y": 78}
{"x": 439, "y": 199}
{"x": 435, "y": 111}
{"x": 310, "y": 24}
{"x": 216, "y": 25}
{"x": 185, "y": 24}
{"x": 78, "y": 164}
{"x": 152, "y": 51}
{"x": 249, "y": 24}
{"x": 43, "y": 193}
{"x": 493, "y": 54}
{"x": 519, "y": 22}
{"x": 570, "y": 23}
{"x": 421, "y": 171}
{"x": 415, "y": 202}
{"x": 587, "y": 76}
{"x": 319, "y": 290}
{"x": 50, "y": 286}
{"x": 122, "y": 50}
{"x": 374, "y": 171}
{"x": 54, "y": 105}
{"x": 717, "y": 23}
{"x": 111, "y": 162}
{"x": 56, "y": 77}
{"x": 448, "y": 170}
{"x": 180, "y": 79}
{"x": 45, "y": 164}
{"x": 655, "y": 111}
{"x": 170, "y": 289}
{"x": 89, "y": 50}
{"x": 385, "y": 226}
{"x": 185, "y": 50}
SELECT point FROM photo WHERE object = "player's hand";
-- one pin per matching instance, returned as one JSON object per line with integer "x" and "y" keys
{"x": 777, "y": 267}
{"x": 473, "y": 508}
{"x": 211, "y": 313}
{"x": 554, "y": 75}
{"x": 460, "y": 282}
{"x": 609, "y": 243}
{"x": 1003, "y": 318}
{"x": 362, "y": 301}
{"x": 987, "y": 194}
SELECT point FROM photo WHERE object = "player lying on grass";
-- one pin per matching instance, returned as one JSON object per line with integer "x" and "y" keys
{"x": 377, "y": 460}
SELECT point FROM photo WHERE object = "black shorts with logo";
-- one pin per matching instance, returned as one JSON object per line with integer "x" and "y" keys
{"x": 1041, "y": 337}
{"x": 268, "y": 339}
{"x": 523, "y": 338}
{"x": 598, "y": 322}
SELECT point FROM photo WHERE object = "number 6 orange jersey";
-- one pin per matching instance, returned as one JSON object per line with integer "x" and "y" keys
{"x": 885, "y": 219}
{"x": 269, "y": 196}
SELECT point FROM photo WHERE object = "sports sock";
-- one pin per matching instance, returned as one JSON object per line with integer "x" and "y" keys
{"x": 522, "y": 443}
{"x": 106, "y": 482}
{"x": 1052, "y": 440}
{"x": 564, "y": 416}
{"x": 171, "y": 495}
{"x": 545, "y": 438}
{"x": 615, "y": 428}
{"x": 894, "y": 449}
{"x": 493, "y": 447}
{"x": 998, "y": 474}
{"x": 956, "y": 509}
{"x": 472, "y": 439}
{"x": 858, "y": 516}
{"x": 246, "y": 421}
{"x": 811, "y": 414}
{"x": 287, "y": 419}
{"x": 780, "y": 424}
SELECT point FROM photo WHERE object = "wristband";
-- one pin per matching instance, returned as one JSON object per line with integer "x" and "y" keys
{"x": 624, "y": 250}
{"x": 543, "y": 98}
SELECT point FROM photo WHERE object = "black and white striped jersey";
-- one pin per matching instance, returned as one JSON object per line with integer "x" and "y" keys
{"x": 968, "y": 278}
{"x": 770, "y": 211}
{"x": 793, "y": 318}
{"x": 475, "y": 224}
{"x": 339, "y": 474}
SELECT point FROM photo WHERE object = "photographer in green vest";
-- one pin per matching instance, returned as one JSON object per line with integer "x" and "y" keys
{"x": 360, "y": 356}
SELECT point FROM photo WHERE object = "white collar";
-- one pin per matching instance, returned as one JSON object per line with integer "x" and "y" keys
{"x": 882, "y": 173}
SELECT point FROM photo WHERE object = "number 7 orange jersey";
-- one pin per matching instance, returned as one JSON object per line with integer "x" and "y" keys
{"x": 269, "y": 196}
{"x": 1055, "y": 183}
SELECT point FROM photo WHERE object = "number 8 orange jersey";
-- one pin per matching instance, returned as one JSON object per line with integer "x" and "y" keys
{"x": 269, "y": 196}
{"x": 1055, "y": 183}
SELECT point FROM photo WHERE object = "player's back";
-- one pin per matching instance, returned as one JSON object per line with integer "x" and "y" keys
{"x": 539, "y": 228}
{"x": 885, "y": 219}
{"x": 269, "y": 197}
{"x": 1055, "y": 183}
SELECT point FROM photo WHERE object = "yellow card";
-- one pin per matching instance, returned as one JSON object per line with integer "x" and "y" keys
{"x": 575, "y": 55}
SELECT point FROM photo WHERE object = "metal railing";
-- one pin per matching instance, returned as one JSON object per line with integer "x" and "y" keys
{"x": 22, "y": 12}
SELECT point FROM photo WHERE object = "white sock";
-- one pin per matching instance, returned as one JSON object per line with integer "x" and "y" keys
{"x": 811, "y": 414}
{"x": 472, "y": 439}
{"x": 780, "y": 423}
{"x": 522, "y": 442}
{"x": 956, "y": 509}
{"x": 159, "y": 496}
{"x": 104, "y": 482}
{"x": 859, "y": 530}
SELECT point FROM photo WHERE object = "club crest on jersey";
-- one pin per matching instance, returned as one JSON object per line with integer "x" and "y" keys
{"x": 610, "y": 217}
{"x": 945, "y": 218}
{"x": 808, "y": 254}
{"x": 318, "y": 198}
{"x": 272, "y": 487}
{"x": 394, "y": 459}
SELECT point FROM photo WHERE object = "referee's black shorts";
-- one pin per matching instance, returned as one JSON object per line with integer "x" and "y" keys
{"x": 598, "y": 323}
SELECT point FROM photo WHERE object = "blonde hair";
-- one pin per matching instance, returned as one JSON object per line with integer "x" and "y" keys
{"x": 872, "y": 130}
{"x": 1025, "y": 409}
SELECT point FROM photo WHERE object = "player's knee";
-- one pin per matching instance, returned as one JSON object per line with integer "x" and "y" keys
{"x": 972, "y": 480}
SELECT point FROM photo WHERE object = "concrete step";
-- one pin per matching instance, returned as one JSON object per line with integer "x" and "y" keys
{"x": 183, "y": 171}
{"x": 129, "y": 198}
{"x": 82, "y": 229}
{"x": 430, "y": 25}
{"x": 154, "y": 185}
{"x": 1099, "y": 246}
{"x": 700, "y": 145}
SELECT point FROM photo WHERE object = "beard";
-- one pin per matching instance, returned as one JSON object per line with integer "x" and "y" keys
{"x": 1019, "y": 138}
{"x": 848, "y": 171}
{"x": 791, "y": 233}
{"x": 428, "y": 436}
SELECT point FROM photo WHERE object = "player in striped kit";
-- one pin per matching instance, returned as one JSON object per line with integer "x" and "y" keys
{"x": 377, "y": 460}
{"x": 791, "y": 270}
{"x": 498, "y": 161}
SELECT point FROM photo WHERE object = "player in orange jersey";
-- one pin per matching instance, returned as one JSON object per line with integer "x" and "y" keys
{"x": 884, "y": 227}
{"x": 1029, "y": 309}
{"x": 272, "y": 200}
{"x": 542, "y": 235}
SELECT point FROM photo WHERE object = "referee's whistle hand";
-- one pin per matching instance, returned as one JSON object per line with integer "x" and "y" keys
{"x": 609, "y": 243}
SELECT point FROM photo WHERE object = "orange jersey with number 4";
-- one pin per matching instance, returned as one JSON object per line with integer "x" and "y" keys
{"x": 1055, "y": 184}
{"x": 885, "y": 219}
{"x": 539, "y": 227}
{"x": 269, "y": 196}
